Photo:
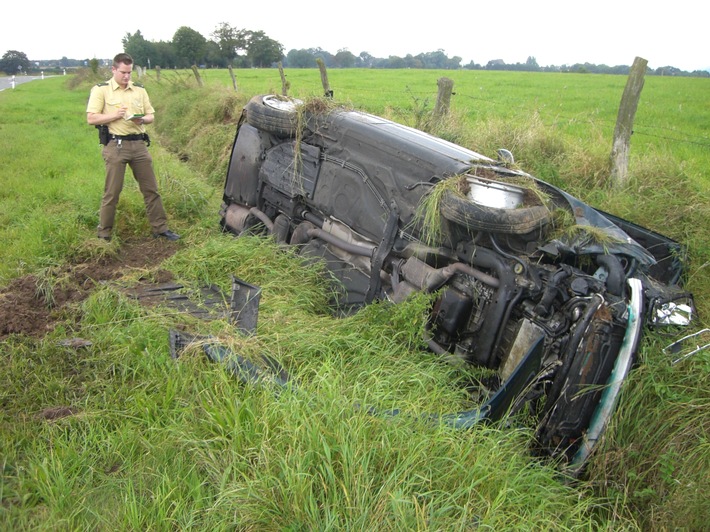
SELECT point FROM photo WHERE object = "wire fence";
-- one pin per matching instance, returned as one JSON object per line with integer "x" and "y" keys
{"x": 375, "y": 97}
{"x": 379, "y": 89}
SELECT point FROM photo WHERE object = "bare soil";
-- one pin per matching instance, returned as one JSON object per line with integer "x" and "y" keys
{"x": 25, "y": 310}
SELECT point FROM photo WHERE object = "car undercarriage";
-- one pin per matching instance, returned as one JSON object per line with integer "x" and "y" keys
{"x": 529, "y": 281}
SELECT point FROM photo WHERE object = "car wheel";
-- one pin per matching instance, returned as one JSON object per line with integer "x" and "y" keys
{"x": 273, "y": 114}
{"x": 480, "y": 217}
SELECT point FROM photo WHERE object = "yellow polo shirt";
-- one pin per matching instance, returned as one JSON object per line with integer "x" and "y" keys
{"x": 109, "y": 96}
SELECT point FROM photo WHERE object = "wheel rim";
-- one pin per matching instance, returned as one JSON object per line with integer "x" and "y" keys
{"x": 281, "y": 104}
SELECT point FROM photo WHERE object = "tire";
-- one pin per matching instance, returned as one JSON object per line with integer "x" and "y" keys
{"x": 273, "y": 114}
{"x": 479, "y": 217}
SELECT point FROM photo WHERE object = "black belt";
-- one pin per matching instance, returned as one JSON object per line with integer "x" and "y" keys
{"x": 129, "y": 137}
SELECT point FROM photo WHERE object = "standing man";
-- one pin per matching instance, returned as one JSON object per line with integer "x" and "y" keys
{"x": 125, "y": 108}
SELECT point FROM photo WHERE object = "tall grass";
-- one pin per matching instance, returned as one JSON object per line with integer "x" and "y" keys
{"x": 659, "y": 449}
{"x": 118, "y": 434}
{"x": 157, "y": 443}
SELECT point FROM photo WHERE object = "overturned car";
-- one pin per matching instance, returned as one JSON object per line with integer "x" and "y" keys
{"x": 531, "y": 282}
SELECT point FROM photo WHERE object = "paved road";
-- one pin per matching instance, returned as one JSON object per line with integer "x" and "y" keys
{"x": 6, "y": 81}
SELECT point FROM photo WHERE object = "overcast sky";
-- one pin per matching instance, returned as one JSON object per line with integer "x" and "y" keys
{"x": 555, "y": 32}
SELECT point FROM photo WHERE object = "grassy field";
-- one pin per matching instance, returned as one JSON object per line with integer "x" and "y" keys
{"x": 100, "y": 428}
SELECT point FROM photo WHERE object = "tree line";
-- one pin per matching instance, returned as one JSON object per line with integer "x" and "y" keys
{"x": 242, "y": 48}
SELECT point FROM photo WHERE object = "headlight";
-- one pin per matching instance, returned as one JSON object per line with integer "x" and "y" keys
{"x": 677, "y": 312}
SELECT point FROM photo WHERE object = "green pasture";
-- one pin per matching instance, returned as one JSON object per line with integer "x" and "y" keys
{"x": 145, "y": 441}
{"x": 670, "y": 110}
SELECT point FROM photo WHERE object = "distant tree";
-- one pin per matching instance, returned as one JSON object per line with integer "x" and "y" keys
{"x": 668, "y": 71}
{"x": 453, "y": 63}
{"x": 622, "y": 69}
{"x": 230, "y": 40}
{"x": 472, "y": 66}
{"x": 531, "y": 64}
{"x": 300, "y": 59}
{"x": 495, "y": 64}
{"x": 137, "y": 47}
{"x": 325, "y": 55}
{"x": 344, "y": 59}
{"x": 14, "y": 62}
{"x": 435, "y": 59}
{"x": 163, "y": 55}
{"x": 263, "y": 51}
{"x": 379, "y": 62}
{"x": 580, "y": 68}
{"x": 214, "y": 56}
{"x": 365, "y": 59}
{"x": 190, "y": 47}
{"x": 414, "y": 62}
{"x": 394, "y": 61}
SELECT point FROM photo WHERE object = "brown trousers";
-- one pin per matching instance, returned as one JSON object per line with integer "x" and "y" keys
{"x": 135, "y": 154}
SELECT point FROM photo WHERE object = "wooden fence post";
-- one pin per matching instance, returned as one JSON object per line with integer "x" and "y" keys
{"x": 157, "y": 72}
{"x": 324, "y": 78}
{"x": 234, "y": 78}
{"x": 197, "y": 75}
{"x": 443, "y": 98}
{"x": 284, "y": 84}
{"x": 625, "y": 122}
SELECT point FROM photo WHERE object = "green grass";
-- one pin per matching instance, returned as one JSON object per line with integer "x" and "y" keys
{"x": 156, "y": 443}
